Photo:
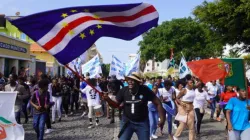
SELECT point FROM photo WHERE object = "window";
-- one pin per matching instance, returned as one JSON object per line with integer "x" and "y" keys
{"x": 147, "y": 64}
{"x": 158, "y": 64}
{"x": 23, "y": 36}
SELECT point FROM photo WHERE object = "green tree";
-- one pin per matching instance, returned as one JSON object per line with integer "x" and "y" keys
{"x": 234, "y": 53}
{"x": 105, "y": 69}
{"x": 183, "y": 35}
{"x": 247, "y": 61}
{"x": 228, "y": 18}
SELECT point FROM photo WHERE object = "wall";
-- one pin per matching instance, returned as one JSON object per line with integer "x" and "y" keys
{"x": 12, "y": 31}
{"x": 12, "y": 41}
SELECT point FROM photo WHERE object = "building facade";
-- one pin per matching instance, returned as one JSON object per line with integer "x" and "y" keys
{"x": 15, "y": 56}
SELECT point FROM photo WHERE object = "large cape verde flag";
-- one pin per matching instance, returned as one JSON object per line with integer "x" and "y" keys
{"x": 67, "y": 33}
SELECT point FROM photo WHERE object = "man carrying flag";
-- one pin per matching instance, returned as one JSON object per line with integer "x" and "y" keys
{"x": 61, "y": 31}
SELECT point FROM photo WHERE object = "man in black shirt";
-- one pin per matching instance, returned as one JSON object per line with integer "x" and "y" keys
{"x": 135, "y": 117}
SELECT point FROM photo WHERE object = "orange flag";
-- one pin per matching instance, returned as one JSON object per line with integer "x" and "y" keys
{"x": 208, "y": 69}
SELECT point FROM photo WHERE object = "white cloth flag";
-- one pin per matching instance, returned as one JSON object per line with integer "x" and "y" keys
{"x": 183, "y": 68}
{"x": 9, "y": 129}
{"x": 117, "y": 68}
{"x": 93, "y": 67}
{"x": 76, "y": 63}
{"x": 133, "y": 66}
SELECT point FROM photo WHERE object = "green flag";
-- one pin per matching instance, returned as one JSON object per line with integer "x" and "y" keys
{"x": 236, "y": 76}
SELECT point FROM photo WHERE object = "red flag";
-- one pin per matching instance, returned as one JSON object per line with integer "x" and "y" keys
{"x": 208, "y": 69}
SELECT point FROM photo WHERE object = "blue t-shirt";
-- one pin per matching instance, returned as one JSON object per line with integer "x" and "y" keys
{"x": 125, "y": 84}
{"x": 239, "y": 114}
{"x": 83, "y": 85}
{"x": 149, "y": 85}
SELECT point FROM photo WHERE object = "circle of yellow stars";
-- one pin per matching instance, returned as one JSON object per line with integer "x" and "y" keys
{"x": 82, "y": 35}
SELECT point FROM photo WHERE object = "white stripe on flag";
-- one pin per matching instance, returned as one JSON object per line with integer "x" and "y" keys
{"x": 60, "y": 46}
{"x": 56, "y": 29}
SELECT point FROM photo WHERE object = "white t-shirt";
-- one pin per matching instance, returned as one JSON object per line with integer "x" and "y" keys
{"x": 93, "y": 97}
{"x": 177, "y": 91}
{"x": 212, "y": 90}
{"x": 166, "y": 93}
{"x": 200, "y": 99}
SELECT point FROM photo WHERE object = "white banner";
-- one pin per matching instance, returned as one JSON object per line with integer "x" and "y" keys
{"x": 183, "y": 68}
{"x": 76, "y": 63}
{"x": 93, "y": 67}
{"x": 117, "y": 68}
{"x": 133, "y": 66}
{"x": 9, "y": 129}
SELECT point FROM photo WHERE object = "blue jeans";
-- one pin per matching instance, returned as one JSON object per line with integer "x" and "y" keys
{"x": 140, "y": 128}
{"x": 212, "y": 106}
{"x": 30, "y": 108}
{"x": 153, "y": 121}
{"x": 169, "y": 116}
{"x": 24, "y": 110}
{"x": 18, "y": 117}
{"x": 39, "y": 124}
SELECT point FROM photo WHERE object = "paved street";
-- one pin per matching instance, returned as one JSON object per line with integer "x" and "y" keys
{"x": 75, "y": 128}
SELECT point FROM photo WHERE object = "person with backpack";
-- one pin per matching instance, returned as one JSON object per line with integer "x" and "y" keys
{"x": 41, "y": 102}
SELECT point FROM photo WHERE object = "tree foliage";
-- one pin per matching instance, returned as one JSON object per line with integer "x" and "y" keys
{"x": 247, "y": 61}
{"x": 105, "y": 69}
{"x": 234, "y": 53}
{"x": 183, "y": 35}
{"x": 228, "y": 18}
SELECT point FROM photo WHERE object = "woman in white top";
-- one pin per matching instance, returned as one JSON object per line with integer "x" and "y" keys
{"x": 180, "y": 84}
{"x": 201, "y": 97}
{"x": 167, "y": 96}
{"x": 185, "y": 110}
{"x": 93, "y": 99}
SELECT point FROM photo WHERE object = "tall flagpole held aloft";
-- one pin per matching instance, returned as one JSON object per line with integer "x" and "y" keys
{"x": 112, "y": 103}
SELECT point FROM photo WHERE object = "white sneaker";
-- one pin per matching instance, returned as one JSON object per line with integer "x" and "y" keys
{"x": 90, "y": 125}
{"x": 48, "y": 131}
{"x": 175, "y": 138}
{"x": 84, "y": 113}
{"x": 97, "y": 124}
{"x": 154, "y": 136}
{"x": 175, "y": 126}
{"x": 66, "y": 116}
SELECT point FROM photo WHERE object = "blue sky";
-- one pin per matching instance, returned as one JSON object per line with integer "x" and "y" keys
{"x": 168, "y": 9}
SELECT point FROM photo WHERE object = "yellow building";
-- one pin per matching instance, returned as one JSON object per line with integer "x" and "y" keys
{"x": 52, "y": 66}
{"x": 15, "y": 54}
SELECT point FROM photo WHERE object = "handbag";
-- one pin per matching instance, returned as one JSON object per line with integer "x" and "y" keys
{"x": 181, "y": 118}
{"x": 202, "y": 110}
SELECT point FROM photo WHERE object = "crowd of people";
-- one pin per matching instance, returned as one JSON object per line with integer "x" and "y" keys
{"x": 144, "y": 103}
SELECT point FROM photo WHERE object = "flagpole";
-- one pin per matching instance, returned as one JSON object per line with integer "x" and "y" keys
{"x": 114, "y": 104}
{"x": 244, "y": 68}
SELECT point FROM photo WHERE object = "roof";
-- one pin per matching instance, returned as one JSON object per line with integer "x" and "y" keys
{"x": 36, "y": 48}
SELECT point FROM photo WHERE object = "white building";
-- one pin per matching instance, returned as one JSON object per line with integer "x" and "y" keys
{"x": 131, "y": 57}
{"x": 152, "y": 66}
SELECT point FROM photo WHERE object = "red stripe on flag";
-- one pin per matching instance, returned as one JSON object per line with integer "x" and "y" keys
{"x": 145, "y": 11}
{"x": 64, "y": 31}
